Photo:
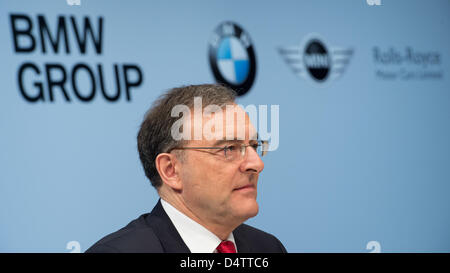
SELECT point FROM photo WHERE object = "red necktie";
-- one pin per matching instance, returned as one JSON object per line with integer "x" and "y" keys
{"x": 226, "y": 247}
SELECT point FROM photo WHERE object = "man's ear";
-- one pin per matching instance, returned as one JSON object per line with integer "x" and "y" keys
{"x": 167, "y": 166}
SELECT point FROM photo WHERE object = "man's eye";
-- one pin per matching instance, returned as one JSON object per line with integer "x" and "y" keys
{"x": 231, "y": 148}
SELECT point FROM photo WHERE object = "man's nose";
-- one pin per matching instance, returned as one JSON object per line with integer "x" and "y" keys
{"x": 252, "y": 161}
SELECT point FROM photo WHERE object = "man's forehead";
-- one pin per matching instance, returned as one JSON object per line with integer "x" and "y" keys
{"x": 232, "y": 116}
{"x": 230, "y": 122}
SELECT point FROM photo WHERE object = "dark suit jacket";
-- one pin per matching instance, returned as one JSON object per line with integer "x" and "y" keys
{"x": 154, "y": 232}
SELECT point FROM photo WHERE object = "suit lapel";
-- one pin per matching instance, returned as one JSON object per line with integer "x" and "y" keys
{"x": 166, "y": 232}
{"x": 242, "y": 245}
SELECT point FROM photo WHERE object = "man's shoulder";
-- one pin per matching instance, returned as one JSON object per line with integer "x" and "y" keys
{"x": 136, "y": 237}
{"x": 258, "y": 240}
{"x": 252, "y": 232}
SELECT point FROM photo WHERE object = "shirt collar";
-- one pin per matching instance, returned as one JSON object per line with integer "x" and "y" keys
{"x": 196, "y": 237}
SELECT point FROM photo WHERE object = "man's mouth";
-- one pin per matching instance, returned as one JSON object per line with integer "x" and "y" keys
{"x": 246, "y": 187}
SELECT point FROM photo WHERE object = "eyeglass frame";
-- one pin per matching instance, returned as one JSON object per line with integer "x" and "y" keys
{"x": 261, "y": 143}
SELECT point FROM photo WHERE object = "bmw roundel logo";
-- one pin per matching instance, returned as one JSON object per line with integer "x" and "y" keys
{"x": 232, "y": 58}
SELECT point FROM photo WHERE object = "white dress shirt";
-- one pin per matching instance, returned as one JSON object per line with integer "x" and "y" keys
{"x": 196, "y": 237}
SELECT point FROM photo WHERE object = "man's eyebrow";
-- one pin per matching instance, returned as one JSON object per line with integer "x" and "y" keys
{"x": 223, "y": 141}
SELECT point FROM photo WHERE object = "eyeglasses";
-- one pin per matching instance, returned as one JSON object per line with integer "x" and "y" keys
{"x": 235, "y": 151}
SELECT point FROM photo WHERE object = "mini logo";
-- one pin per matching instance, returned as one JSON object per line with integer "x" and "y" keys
{"x": 312, "y": 60}
{"x": 232, "y": 58}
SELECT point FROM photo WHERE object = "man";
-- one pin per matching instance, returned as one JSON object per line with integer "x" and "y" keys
{"x": 205, "y": 171}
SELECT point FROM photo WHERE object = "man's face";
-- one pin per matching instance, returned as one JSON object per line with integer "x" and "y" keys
{"x": 218, "y": 189}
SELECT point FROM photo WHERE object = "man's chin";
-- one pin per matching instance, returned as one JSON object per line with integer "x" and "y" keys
{"x": 248, "y": 209}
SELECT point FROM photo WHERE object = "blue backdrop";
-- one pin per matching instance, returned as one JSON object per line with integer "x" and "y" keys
{"x": 363, "y": 156}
